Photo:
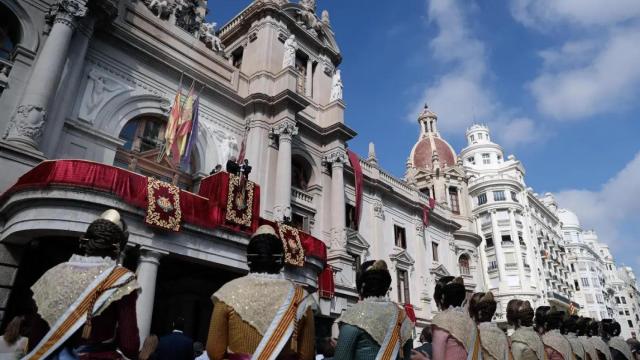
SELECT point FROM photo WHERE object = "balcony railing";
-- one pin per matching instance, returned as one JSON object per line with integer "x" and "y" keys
{"x": 302, "y": 197}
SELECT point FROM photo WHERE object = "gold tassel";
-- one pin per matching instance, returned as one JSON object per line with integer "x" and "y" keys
{"x": 86, "y": 330}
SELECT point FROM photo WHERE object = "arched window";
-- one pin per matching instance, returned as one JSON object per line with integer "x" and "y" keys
{"x": 300, "y": 172}
{"x": 463, "y": 263}
{"x": 143, "y": 138}
{"x": 10, "y": 33}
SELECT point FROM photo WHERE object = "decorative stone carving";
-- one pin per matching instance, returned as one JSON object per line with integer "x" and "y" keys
{"x": 325, "y": 18}
{"x": 27, "y": 123}
{"x": 65, "y": 12}
{"x": 336, "y": 87}
{"x": 378, "y": 209}
{"x": 208, "y": 36}
{"x": 160, "y": 7}
{"x": 338, "y": 239}
{"x": 100, "y": 89}
{"x": 307, "y": 17}
{"x": 227, "y": 146}
{"x": 75, "y": 8}
{"x": 285, "y": 129}
{"x": 282, "y": 212}
{"x": 290, "y": 48}
{"x": 337, "y": 156}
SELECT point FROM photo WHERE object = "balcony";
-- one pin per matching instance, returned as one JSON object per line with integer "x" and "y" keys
{"x": 302, "y": 197}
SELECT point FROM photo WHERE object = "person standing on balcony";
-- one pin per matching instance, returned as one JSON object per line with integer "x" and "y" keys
{"x": 375, "y": 327}
{"x": 262, "y": 315}
{"x": 86, "y": 307}
{"x": 525, "y": 342}
{"x": 493, "y": 341}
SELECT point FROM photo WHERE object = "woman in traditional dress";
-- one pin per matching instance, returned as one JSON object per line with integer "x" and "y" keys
{"x": 93, "y": 281}
{"x": 493, "y": 341}
{"x": 262, "y": 315}
{"x": 375, "y": 327}
{"x": 556, "y": 346}
{"x": 583, "y": 332}
{"x": 525, "y": 342}
{"x": 601, "y": 347}
{"x": 620, "y": 349}
{"x": 570, "y": 330}
{"x": 454, "y": 332}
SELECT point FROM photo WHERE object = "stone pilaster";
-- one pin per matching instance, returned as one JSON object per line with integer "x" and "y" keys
{"x": 285, "y": 131}
{"x": 337, "y": 158}
{"x": 147, "y": 273}
{"x": 27, "y": 124}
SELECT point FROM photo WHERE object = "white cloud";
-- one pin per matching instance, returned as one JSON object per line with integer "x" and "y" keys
{"x": 584, "y": 13}
{"x": 610, "y": 208}
{"x": 461, "y": 94}
{"x": 607, "y": 82}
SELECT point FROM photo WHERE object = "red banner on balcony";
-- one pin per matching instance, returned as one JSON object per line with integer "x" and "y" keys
{"x": 326, "y": 284}
{"x": 357, "y": 171}
{"x": 163, "y": 205}
{"x": 293, "y": 251}
{"x": 426, "y": 211}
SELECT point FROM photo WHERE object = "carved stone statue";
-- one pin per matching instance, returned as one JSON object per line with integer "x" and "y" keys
{"x": 208, "y": 36}
{"x": 101, "y": 86}
{"x": 161, "y": 6}
{"x": 290, "y": 47}
{"x": 336, "y": 87}
{"x": 325, "y": 17}
{"x": 307, "y": 16}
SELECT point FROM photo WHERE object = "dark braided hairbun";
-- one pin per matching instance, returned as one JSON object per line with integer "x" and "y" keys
{"x": 449, "y": 291}
{"x": 103, "y": 238}
{"x": 482, "y": 306}
{"x": 374, "y": 279}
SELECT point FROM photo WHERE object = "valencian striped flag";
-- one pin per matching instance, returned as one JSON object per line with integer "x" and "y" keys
{"x": 183, "y": 129}
{"x": 193, "y": 135}
{"x": 172, "y": 124}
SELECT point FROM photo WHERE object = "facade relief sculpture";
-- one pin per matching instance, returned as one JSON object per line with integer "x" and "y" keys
{"x": 208, "y": 36}
{"x": 99, "y": 90}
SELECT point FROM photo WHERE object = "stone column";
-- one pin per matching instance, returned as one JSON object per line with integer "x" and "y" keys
{"x": 285, "y": 131}
{"x": 147, "y": 273}
{"x": 337, "y": 158}
{"x": 70, "y": 87}
{"x": 309, "y": 79}
{"x": 27, "y": 124}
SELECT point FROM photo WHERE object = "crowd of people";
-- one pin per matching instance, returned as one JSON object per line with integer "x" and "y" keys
{"x": 86, "y": 309}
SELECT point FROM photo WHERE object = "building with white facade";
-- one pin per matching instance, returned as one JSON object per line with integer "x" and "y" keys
{"x": 516, "y": 227}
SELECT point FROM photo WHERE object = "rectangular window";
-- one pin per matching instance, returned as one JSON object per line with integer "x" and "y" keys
{"x": 499, "y": 196}
{"x": 493, "y": 263}
{"x": 403, "y": 287}
{"x": 472, "y": 138}
{"x": 510, "y": 260}
{"x": 486, "y": 159}
{"x": 426, "y": 192}
{"x": 506, "y": 240}
{"x": 572, "y": 268}
{"x": 585, "y": 282}
{"x": 434, "y": 251}
{"x": 617, "y": 300}
{"x": 400, "y": 236}
{"x": 482, "y": 199}
{"x": 514, "y": 196}
{"x": 455, "y": 203}
{"x": 300, "y": 222}
{"x": 624, "y": 301}
{"x": 575, "y": 282}
{"x": 488, "y": 238}
{"x": 521, "y": 240}
{"x": 350, "y": 213}
{"x": 630, "y": 323}
{"x": 626, "y": 312}
{"x": 471, "y": 160}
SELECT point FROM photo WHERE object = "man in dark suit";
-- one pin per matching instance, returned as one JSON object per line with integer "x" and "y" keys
{"x": 176, "y": 345}
{"x": 425, "y": 339}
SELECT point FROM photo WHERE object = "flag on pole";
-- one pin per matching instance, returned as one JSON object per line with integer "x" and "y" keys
{"x": 193, "y": 135}
{"x": 174, "y": 119}
{"x": 243, "y": 149}
{"x": 183, "y": 128}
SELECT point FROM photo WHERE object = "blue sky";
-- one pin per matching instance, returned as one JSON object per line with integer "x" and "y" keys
{"x": 556, "y": 80}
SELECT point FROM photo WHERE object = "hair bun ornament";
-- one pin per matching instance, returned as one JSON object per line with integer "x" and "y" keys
{"x": 113, "y": 216}
{"x": 378, "y": 265}
{"x": 457, "y": 280}
{"x": 265, "y": 229}
{"x": 488, "y": 296}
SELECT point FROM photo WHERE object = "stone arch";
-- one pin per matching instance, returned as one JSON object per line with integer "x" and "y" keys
{"x": 300, "y": 157}
{"x": 464, "y": 263}
{"x": 28, "y": 36}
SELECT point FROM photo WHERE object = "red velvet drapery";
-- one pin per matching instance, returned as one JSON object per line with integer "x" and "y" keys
{"x": 204, "y": 210}
{"x": 411, "y": 314}
{"x": 357, "y": 171}
{"x": 426, "y": 211}
{"x": 326, "y": 285}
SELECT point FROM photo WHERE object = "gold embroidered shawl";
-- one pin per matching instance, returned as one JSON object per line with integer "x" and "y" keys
{"x": 619, "y": 344}
{"x": 527, "y": 336}
{"x": 588, "y": 347}
{"x": 374, "y": 315}
{"x": 494, "y": 340}
{"x": 576, "y": 345}
{"x": 601, "y": 346}
{"x": 256, "y": 298}
{"x": 61, "y": 285}
{"x": 458, "y": 323}
{"x": 558, "y": 342}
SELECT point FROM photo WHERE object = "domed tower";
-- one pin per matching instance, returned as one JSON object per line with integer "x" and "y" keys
{"x": 433, "y": 168}
{"x": 481, "y": 153}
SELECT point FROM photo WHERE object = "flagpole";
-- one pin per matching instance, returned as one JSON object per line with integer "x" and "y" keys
{"x": 164, "y": 144}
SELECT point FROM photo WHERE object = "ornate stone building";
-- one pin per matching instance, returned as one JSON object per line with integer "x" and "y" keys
{"x": 94, "y": 80}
